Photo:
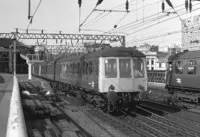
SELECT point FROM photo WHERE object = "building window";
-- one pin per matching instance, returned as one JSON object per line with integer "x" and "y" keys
{"x": 152, "y": 61}
{"x": 160, "y": 65}
{"x": 152, "y": 68}
{"x": 147, "y": 61}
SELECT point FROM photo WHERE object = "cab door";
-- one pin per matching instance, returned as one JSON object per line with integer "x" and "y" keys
{"x": 125, "y": 83}
{"x": 108, "y": 73}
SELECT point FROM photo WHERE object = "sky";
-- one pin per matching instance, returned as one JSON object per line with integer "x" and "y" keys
{"x": 63, "y": 15}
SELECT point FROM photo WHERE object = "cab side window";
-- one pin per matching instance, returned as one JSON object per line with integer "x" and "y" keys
{"x": 90, "y": 67}
{"x": 138, "y": 67}
{"x": 191, "y": 69}
{"x": 179, "y": 67}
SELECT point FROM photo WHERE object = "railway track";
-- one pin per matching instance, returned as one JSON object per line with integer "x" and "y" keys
{"x": 153, "y": 126}
{"x": 167, "y": 126}
{"x": 52, "y": 122}
{"x": 167, "y": 113}
{"x": 118, "y": 122}
{"x": 143, "y": 122}
{"x": 124, "y": 124}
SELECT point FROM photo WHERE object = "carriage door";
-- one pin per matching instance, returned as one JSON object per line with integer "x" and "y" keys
{"x": 125, "y": 77}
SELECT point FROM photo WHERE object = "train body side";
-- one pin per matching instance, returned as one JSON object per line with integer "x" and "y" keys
{"x": 98, "y": 72}
{"x": 185, "y": 72}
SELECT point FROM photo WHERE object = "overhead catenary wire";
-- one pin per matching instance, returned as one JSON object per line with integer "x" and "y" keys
{"x": 110, "y": 11}
{"x": 141, "y": 24}
{"x": 122, "y": 27}
{"x": 163, "y": 35}
{"x": 31, "y": 19}
{"x": 96, "y": 18}
{"x": 131, "y": 26}
{"x": 95, "y": 21}
{"x": 157, "y": 36}
{"x": 98, "y": 3}
{"x": 158, "y": 23}
{"x": 148, "y": 19}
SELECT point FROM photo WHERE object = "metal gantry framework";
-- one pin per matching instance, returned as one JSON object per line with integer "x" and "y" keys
{"x": 59, "y": 36}
{"x": 111, "y": 38}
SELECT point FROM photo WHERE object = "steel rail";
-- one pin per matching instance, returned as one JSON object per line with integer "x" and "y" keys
{"x": 145, "y": 127}
{"x": 86, "y": 133}
{"x": 168, "y": 115}
{"x": 179, "y": 129}
{"x": 129, "y": 126}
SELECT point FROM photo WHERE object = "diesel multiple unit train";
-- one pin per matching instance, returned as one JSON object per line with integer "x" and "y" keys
{"x": 108, "y": 79}
{"x": 183, "y": 76}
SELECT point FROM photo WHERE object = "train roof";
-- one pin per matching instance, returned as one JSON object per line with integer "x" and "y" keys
{"x": 108, "y": 52}
{"x": 118, "y": 52}
{"x": 188, "y": 55}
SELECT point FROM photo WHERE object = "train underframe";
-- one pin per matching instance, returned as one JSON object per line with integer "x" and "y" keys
{"x": 184, "y": 95}
{"x": 108, "y": 102}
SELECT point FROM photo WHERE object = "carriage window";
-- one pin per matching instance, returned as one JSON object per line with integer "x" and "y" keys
{"x": 67, "y": 68}
{"x": 125, "y": 68}
{"x": 138, "y": 66}
{"x": 84, "y": 68}
{"x": 179, "y": 67}
{"x": 78, "y": 68}
{"x": 110, "y": 68}
{"x": 63, "y": 70}
{"x": 97, "y": 67}
{"x": 192, "y": 67}
{"x": 87, "y": 67}
{"x": 70, "y": 70}
{"x": 90, "y": 67}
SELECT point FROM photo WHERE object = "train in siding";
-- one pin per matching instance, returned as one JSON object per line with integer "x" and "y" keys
{"x": 109, "y": 78}
{"x": 183, "y": 76}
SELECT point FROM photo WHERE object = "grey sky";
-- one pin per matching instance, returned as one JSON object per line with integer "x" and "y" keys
{"x": 55, "y": 15}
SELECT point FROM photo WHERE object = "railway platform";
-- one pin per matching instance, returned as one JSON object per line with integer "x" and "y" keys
{"x": 6, "y": 85}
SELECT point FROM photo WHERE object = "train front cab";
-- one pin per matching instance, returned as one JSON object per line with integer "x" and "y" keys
{"x": 127, "y": 76}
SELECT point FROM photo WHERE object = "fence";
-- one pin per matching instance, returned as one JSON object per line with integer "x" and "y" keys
{"x": 157, "y": 76}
